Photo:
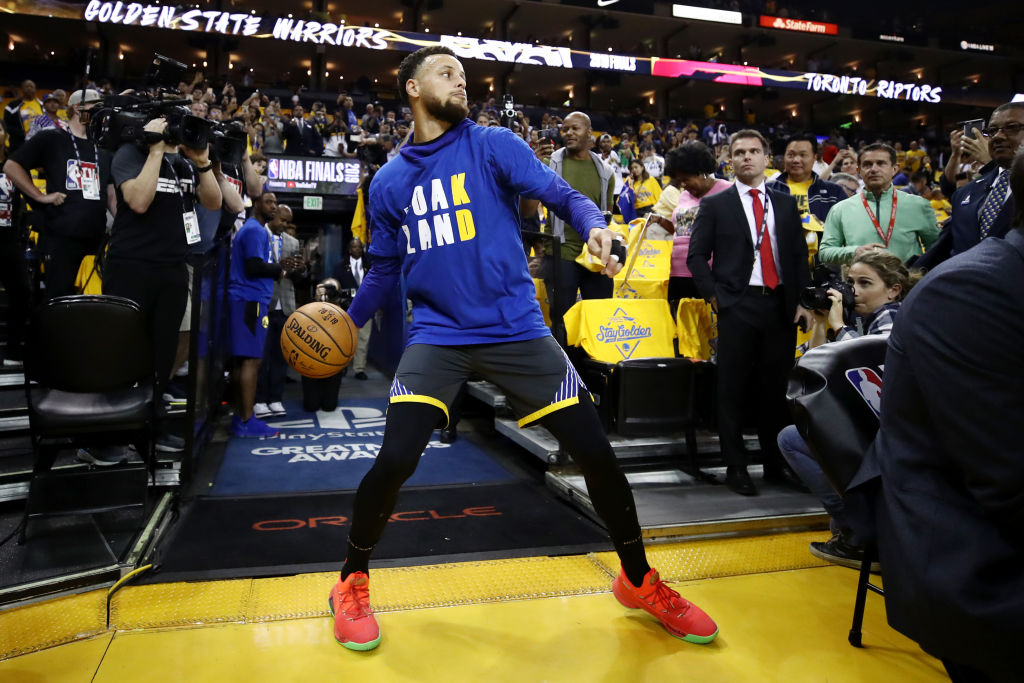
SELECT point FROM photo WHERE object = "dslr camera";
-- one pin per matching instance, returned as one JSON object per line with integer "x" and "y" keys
{"x": 121, "y": 119}
{"x": 815, "y": 296}
{"x": 330, "y": 291}
{"x": 508, "y": 110}
{"x": 228, "y": 142}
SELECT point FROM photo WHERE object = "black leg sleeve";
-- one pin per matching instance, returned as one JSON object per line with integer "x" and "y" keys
{"x": 578, "y": 429}
{"x": 406, "y": 434}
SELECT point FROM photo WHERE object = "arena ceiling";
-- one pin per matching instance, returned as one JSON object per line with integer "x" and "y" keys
{"x": 59, "y": 44}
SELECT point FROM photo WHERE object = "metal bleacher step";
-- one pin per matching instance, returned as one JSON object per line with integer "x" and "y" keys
{"x": 488, "y": 394}
{"x": 674, "y": 504}
{"x": 535, "y": 440}
{"x": 13, "y": 421}
{"x": 541, "y": 443}
{"x": 13, "y": 412}
{"x": 12, "y": 379}
{"x": 14, "y": 485}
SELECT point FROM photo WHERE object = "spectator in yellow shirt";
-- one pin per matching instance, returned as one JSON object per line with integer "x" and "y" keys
{"x": 915, "y": 155}
{"x": 646, "y": 188}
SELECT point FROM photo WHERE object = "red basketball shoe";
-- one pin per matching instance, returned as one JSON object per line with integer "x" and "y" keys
{"x": 680, "y": 617}
{"x": 354, "y": 624}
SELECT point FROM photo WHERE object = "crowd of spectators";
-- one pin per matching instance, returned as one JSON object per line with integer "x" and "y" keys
{"x": 876, "y": 203}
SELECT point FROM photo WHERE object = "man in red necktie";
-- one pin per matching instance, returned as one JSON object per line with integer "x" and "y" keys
{"x": 753, "y": 237}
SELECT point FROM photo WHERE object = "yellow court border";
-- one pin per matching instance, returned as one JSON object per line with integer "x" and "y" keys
{"x": 45, "y": 624}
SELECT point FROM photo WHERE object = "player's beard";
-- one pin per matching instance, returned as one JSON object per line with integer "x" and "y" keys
{"x": 451, "y": 110}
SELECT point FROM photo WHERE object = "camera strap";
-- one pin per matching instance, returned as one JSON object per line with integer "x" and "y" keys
{"x": 874, "y": 219}
{"x": 88, "y": 175}
{"x": 188, "y": 217}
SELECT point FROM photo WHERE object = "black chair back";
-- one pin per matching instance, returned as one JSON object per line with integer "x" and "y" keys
{"x": 834, "y": 396}
{"x": 655, "y": 396}
{"x": 89, "y": 343}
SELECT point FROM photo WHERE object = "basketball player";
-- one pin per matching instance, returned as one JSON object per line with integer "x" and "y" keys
{"x": 445, "y": 213}
{"x": 255, "y": 266}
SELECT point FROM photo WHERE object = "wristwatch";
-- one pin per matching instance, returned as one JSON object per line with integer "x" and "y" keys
{"x": 204, "y": 169}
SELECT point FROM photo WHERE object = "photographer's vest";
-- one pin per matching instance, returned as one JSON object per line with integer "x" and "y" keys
{"x": 604, "y": 171}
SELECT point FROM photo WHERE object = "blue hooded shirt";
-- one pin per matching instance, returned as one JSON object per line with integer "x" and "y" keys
{"x": 446, "y": 214}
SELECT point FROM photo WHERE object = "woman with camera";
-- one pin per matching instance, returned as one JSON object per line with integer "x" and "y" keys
{"x": 879, "y": 281}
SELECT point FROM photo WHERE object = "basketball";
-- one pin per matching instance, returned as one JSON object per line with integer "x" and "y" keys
{"x": 318, "y": 340}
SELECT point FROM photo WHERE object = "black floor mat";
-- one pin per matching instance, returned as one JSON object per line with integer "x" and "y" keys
{"x": 276, "y": 535}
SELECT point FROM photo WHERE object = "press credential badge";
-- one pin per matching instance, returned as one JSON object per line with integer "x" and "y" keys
{"x": 191, "y": 227}
{"x": 84, "y": 176}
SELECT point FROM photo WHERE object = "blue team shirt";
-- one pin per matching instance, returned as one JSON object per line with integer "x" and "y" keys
{"x": 448, "y": 211}
{"x": 251, "y": 240}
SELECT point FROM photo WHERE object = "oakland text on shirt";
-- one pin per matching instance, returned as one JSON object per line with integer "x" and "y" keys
{"x": 433, "y": 216}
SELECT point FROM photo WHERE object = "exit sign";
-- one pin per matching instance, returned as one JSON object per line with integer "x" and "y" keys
{"x": 313, "y": 203}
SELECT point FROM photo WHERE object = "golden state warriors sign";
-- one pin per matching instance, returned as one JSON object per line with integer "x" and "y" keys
{"x": 612, "y": 330}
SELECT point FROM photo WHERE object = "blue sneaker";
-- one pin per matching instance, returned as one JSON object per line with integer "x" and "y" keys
{"x": 252, "y": 428}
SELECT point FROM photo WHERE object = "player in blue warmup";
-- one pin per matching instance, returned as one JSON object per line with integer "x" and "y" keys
{"x": 445, "y": 214}
{"x": 254, "y": 269}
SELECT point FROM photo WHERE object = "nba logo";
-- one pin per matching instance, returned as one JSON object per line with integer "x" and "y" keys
{"x": 869, "y": 385}
{"x": 272, "y": 168}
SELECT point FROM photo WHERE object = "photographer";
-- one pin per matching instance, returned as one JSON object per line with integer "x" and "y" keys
{"x": 13, "y": 269}
{"x": 77, "y": 196}
{"x": 212, "y": 225}
{"x": 879, "y": 282}
{"x": 322, "y": 394}
{"x": 157, "y": 193}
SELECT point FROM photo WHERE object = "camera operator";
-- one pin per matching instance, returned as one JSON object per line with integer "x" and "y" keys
{"x": 157, "y": 193}
{"x": 212, "y": 224}
{"x": 13, "y": 269}
{"x": 78, "y": 192}
{"x": 878, "y": 282}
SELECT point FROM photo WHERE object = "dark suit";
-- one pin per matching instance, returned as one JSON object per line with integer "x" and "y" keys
{"x": 302, "y": 140}
{"x": 343, "y": 272}
{"x": 949, "y": 503}
{"x": 963, "y": 231}
{"x": 756, "y": 333}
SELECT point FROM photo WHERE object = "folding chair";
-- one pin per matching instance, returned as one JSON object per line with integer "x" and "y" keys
{"x": 834, "y": 395}
{"x": 89, "y": 375}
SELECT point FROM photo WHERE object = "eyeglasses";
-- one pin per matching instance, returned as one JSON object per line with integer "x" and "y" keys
{"x": 1009, "y": 129}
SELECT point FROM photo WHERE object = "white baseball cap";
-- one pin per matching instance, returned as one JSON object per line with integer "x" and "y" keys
{"x": 88, "y": 95}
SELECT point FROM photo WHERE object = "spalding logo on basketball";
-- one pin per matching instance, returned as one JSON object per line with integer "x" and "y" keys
{"x": 318, "y": 340}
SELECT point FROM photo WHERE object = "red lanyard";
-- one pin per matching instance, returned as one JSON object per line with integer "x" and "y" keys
{"x": 874, "y": 219}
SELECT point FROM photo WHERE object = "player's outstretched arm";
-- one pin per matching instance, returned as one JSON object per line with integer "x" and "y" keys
{"x": 378, "y": 283}
{"x": 601, "y": 244}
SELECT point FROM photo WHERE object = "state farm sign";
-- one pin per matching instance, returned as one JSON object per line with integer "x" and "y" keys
{"x": 799, "y": 25}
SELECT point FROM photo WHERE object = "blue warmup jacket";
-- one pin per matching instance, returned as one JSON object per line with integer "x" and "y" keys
{"x": 445, "y": 214}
